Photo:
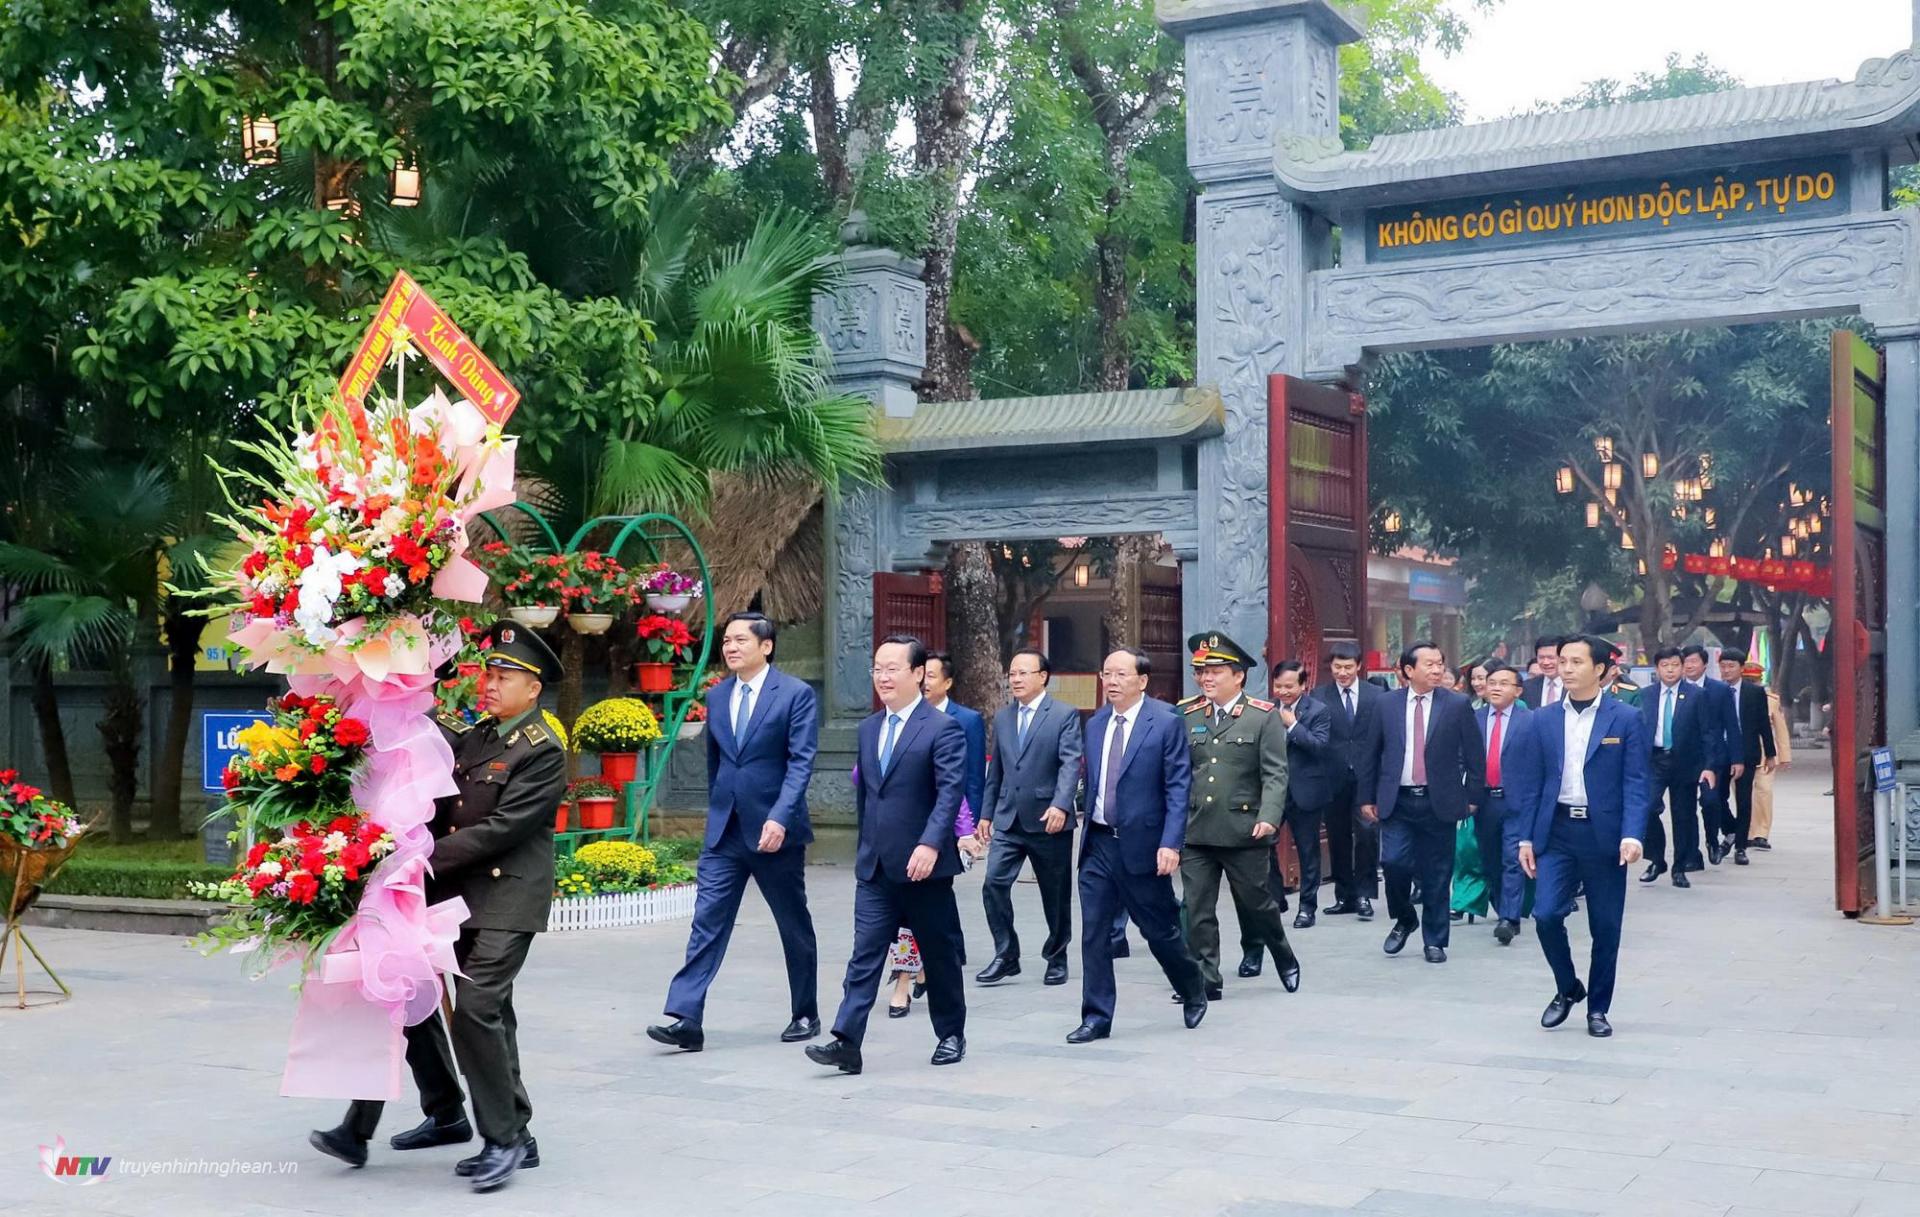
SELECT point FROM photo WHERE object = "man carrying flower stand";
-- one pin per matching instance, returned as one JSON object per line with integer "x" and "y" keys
{"x": 494, "y": 849}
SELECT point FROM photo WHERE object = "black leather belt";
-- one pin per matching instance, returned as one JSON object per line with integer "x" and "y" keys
{"x": 1104, "y": 829}
{"x": 1416, "y": 791}
{"x": 1569, "y": 810}
{"x": 1499, "y": 792}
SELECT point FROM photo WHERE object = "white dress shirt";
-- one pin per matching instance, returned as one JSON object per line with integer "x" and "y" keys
{"x": 1426, "y": 725}
{"x": 905, "y": 713}
{"x": 1131, "y": 717}
{"x": 1573, "y": 769}
{"x": 1223, "y": 709}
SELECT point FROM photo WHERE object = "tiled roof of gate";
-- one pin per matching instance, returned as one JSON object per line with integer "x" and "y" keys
{"x": 1069, "y": 418}
{"x": 1880, "y": 105}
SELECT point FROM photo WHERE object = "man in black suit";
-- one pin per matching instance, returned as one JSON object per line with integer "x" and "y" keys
{"x": 1309, "y": 730}
{"x": 1032, "y": 777}
{"x": 1684, "y": 731}
{"x": 1751, "y": 733}
{"x": 912, "y": 776}
{"x": 1497, "y": 825}
{"x": 1716, "y": 809}
{"x": 1352, "y": 842}
{"x": 1425, "y": 772}
{"x": 1546, "y": 688}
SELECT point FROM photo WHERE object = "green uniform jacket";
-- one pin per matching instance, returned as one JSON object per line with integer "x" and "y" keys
{"x": 495, "y": 846}
{"x": 1239, "y": 773}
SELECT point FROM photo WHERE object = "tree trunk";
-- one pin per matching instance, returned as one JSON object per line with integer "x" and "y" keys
{"x": 1112, "y": 299}
{"x": 53, "y": 734}
{"x": 183, "y": 650}
{"x": 973, "y": 627}
{"x": 119, "y": 727}
{"x": 941, "y": 148}
{"x": 1656, "y": 608}
{"x": 1121, "y": 625}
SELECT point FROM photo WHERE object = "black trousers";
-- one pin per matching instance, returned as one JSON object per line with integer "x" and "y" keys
{"x": 1304, "y": 823}
{"x": 430, "y": 1058}
{"x": 1416, "y": 844}
{"x": 1742, "y": 818}
{"x": 1108, "y": 889}
{"x": 1247, "y": 875}
{"x": 1051, "y": 854}
{"x": 485, "y": 1041}
{"x": 1354, "y": 844}
{"x": 1681, "y": 794}
{"x": 880, "y": 908}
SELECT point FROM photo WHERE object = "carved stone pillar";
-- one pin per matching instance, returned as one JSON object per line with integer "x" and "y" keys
{"x": 1257, "y": 71}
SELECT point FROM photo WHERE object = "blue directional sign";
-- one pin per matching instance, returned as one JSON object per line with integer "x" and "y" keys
{"x": 217, "y": 743}
{"x": 1883, "y": 769}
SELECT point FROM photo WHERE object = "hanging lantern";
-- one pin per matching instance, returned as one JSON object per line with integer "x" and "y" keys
{"x": 1563, "y": 479}
{"x": 1593, "y": 515}
{"x": 260, "y": 139}
{"x": 1613, "y": 497}
{"x": 1626, "y": 540}
{"x": 405, "y": 185}
{"x": 1679, "y": 511}
{"x": 1713, "y": 518}
{"x": 1612, "y": 475}
{"x": 1719, "y": 547}
{"x": 1080, "y": 574}
{"x": 1649, "y": 465}
{"x": 1814, "y": 525}
{"x": 1603, "y": 447}
{"x": 1391, "y": 523}
{"x": 1799, "y": 529}
{"x": 1787, "y": 546}
{"x": 1643, "y": 566}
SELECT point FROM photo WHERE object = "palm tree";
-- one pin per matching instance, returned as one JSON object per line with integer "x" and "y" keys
{"x": 88, "y": 593}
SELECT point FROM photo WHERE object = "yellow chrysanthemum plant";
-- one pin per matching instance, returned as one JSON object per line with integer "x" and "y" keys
{"x": 618, "y": 724}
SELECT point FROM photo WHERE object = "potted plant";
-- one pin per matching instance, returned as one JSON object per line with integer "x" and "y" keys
{"x": 37, "y": 836}
{"x": 609, "y": 884}
{"x": 668, "y": 591}
{"x": 619, "y": 729}
{"x": 667, "y": 639}
{"x": 526, "y": 581}
{"x": 595, "y": 590}
{"x": 593, "y": 801}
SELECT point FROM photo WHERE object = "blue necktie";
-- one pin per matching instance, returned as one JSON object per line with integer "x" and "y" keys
{"x": 886, "y": 745}
{"x": 1666, "y": 720}
{"x": 1026, "y": 720}
{"x": 745, "y": 713}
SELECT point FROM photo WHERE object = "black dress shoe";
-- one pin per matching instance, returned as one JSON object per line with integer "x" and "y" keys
{"x": 1366, "y": 909}
{"x": 497, "y": 1164}
{"x": 1562, "y": 1003}
{"x": 432, "y": 1132}
{"x": 1193, "y": 1012}
{"x": 950, "y": 1050}
{"x": 1250, "y": 964}
{"x": 1680, "y": 879}
{"x": 1088, "y": 1032}
{"x": 341, "y": 1144}
{"x": 1654, "y": 871}
{"x": 1341, "y": 908}
{"x": 681, "y": 1034}
{"x": 467, "y": 1166}
{"x": 1598, "y": 1026}
{"x": 1457, "y": 915}
{"x": 999, "y": 969}
{"x": 894, "y": 1011}
{"x": 840, "y": 1054}
{"x": 1506, "y": 931}
{"x": 1435, "y": 954}
{"x": 919, "y": 988}
{"x": 1740, "y": 857}
{"x": 1214, "y": 993}
{"x": 1290, "y": 978}
{"x": 1056, "y": 972}
{"x": 1120, "y": 949}
{"x": 1397, "y": 938}
{"x": 1304, "y": 921}
{"x": 800, "y": 1029}
{"x": 1715, "y": 853}
{"x": 1759, "y": 843}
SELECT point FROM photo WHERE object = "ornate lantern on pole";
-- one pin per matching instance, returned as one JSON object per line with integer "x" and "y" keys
{"x": 260, "y": 139}
{"x": 1593, "y": 515}
{"x": 404, "y": 186}
{"x": 1603, "y": 447}
{"x": 1563, "y": 479}
{"x": 1612, "y": 475}
{"x": 1649, "y": 465}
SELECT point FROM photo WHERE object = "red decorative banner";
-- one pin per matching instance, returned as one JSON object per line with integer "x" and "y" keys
{"x": 407, "y": 314}
{"x": 1815, "y": 579}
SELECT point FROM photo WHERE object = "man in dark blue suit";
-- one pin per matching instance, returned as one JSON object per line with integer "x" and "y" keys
{"x": 1584, "y": 774}
{"x": 940, "y": 678}
{"x": 1425, "y": 772}
{"x": 1679, "y": 720}
{"x": 1499, "y": 824}
{"x": 1309, "y": 729}
{"x": 762, "y": 730}
{"x": 1139, "y": 776}
{"x": 912, "y": 776}
{"x": 1352, "y": 842}
{"x": 1750, "y": 746}
{"x": 1716, "y": 813}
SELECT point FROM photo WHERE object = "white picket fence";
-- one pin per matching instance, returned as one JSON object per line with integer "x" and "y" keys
{"x": 619, "y": 909}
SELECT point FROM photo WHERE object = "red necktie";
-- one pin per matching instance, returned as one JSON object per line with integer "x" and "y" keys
{"x": 1419, "y": 741}
{"x": 1493, "y": 750}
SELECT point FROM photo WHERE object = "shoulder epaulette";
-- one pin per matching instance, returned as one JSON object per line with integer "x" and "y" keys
{"x": 1190, "y": 704}
{"x": 1257, "y": 704}
{"x": 453, "y": 722}
{"x": 535, "y": 734}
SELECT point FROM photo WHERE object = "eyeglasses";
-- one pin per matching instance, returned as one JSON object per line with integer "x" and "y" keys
{"x": 1110, "y": 675}
{"x": 896, "y": 671}
{"x": 1023, "y": 671}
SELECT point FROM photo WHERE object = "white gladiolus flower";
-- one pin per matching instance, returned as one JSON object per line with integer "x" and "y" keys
{"x": 269, "y": 867}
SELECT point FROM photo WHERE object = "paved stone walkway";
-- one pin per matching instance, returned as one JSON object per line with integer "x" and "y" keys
{"x": 1764, "y": 1062}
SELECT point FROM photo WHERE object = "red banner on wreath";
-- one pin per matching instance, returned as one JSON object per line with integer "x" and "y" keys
{"x": 407, "y": 314}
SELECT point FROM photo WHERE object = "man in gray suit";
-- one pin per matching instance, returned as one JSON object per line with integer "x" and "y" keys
{"x": 1032, "y": 774}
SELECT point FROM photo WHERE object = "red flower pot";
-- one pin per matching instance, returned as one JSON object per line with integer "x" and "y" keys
{"x": 619, "y": 767}
{"x": 596, "y": 812}
{"x": 560, "y": 818}
{"x": 655, "y": 677}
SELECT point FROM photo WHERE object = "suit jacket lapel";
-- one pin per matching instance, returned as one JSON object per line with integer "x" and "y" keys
{"x": 1096, "y": 753}
{"x": 479, "y": 753}
{"x": 758, "y": 709}
{"x": 909, "y": 731}
{"x": 1601, "y": 713}
{"x": 720, "y": 716}
{"x": 1033, "y": 724}
{"x": 1134, "y": 731}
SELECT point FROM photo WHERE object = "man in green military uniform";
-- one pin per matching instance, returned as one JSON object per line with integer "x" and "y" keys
{"x": 494, "y": 849}
{"x": 1239, "y": 793}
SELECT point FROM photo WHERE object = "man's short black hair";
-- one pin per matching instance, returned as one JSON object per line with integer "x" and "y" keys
{"x": 946, "y": 663}
{"x": 1343, "y": 650}
{"x": 1039, "y": 657}
{"x": 1694, "y": 650}
{"x": 1288, "y": 665}
{"x": 1411, "y": 656}
{"x": 1142, "y": 666}
{"x": 1666, "y": 653}
{"x": 1733, "y": 655}
{"x": 916, "y": 650}
{"x": 1606, "y": 655}
{"x": 1548, "y": 642}
{"x": 761, "y": 625}
{"x": 1500, "y": 665}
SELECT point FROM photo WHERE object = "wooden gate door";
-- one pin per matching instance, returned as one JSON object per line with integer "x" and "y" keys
{"x": 1316, "y": 536}
{"x": 1858, "y": 635}
{"x": 909, "y": 604}
{"x": 1162, "y": 639}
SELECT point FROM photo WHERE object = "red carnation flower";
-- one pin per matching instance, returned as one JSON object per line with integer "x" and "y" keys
{"x": 319, "y": 764}
{"x": 302, "y": 888}
{"x": 350, "y": 733}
